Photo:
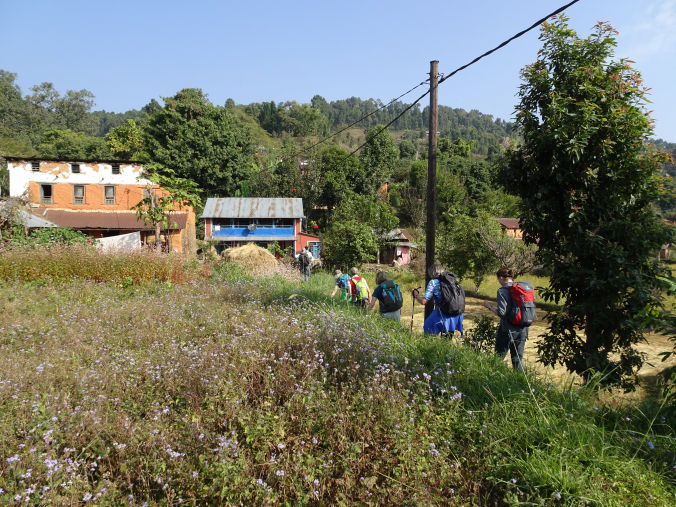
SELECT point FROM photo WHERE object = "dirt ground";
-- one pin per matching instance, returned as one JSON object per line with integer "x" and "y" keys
{"x": 652, "y": 371}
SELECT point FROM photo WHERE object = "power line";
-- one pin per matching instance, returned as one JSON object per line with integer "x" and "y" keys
{"x": 362, "y": 118}
{"x": 499, "y": 46}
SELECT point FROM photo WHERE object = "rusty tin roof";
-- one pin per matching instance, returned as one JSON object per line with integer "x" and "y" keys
{"x": 253, "y": 207}
{"x": 106, "y": 219}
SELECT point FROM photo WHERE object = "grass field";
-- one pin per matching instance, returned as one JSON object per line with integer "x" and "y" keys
{"x": 241, "y": 390}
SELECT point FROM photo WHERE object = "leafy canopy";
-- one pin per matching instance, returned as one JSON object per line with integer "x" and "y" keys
{"x": 587, "y": 180}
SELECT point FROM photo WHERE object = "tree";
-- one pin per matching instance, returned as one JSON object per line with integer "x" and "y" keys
{"x": 200, "y": 142}
{"x": 369, "y": 213}
{"x": 587, "y": 179}
{"x": 126, "y": 142}
{"x": 348, "y": 244}
{"x": 378, "y": 157}
{"x": 69, "y": 145}
{"x": 157, "y": 204}
{"x": 462, "y": 249}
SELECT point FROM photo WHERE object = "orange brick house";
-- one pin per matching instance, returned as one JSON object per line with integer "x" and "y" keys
{"x": 95, "y": 197}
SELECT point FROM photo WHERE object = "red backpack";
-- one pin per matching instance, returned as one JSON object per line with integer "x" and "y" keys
{"x": 523, "y": 298}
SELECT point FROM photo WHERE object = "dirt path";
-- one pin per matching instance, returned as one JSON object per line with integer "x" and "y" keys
{"x": 652, "y": 369}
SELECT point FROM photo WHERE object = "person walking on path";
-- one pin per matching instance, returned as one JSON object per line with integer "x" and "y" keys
{"x": 438, "y": 321}
{"x": 510, "y": 337}
{"x": 342, "y": 284}
{"x": 360, "y": 289}
{"x": 304, "y": 263}
{"x": 388, "y": 295}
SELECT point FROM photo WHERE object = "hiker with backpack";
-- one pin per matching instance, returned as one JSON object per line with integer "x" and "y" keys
{"x": 304, "y": 262}
{"x": 516, "y": 309}
{"x": 388, "y": 295}
{"x": 448, "y": 297}
{"x": 359, "y": 288}
{"x": 342, "y": 284}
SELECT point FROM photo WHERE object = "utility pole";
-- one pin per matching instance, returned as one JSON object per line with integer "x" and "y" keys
{"x": 430, "y": 229}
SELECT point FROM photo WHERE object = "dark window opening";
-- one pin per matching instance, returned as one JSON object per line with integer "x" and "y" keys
{"x": 75, "y": 168}
{"x": 116, "y": 168}
{"x": 35, "y": 166}
{"x": 46, "y": 194}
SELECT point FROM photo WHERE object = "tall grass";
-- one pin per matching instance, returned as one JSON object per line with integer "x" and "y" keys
{"x": 240, "y": 390}
{"x": 62, "y": 262}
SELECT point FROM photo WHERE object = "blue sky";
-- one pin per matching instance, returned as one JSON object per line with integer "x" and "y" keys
{"x": 128, "y": 52}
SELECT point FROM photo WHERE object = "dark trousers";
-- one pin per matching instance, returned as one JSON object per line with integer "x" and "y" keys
{"x": 512, "y": 340}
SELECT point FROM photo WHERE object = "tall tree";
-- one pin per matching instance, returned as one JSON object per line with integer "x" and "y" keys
{"x": 378, "y": 157}
{"x": 201, "y": 142}
{"x": 587, "y": 179}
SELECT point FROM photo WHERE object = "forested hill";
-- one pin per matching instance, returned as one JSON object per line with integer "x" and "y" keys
{"x": 32, "y": 122}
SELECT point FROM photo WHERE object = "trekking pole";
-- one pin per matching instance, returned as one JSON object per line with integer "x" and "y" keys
{"x": 413, "y": 307}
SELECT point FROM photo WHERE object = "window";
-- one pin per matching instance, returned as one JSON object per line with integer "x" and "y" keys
{"x": 264, "y": 222}
{"x": 109, "y": 193}
{"x": 75, "y": 168}
{"x": 78, "y": 194}
{"x": 46, "y": 194}
{"x": 116, "y": 168}
{"x": 35, "y": 166}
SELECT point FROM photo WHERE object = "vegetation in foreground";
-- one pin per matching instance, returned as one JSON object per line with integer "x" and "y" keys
{"x": 261, "y": 391}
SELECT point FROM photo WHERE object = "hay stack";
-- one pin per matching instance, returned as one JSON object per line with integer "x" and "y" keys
{"x": 250, "y": 256}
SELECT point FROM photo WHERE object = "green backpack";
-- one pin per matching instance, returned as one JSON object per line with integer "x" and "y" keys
{"x": 361, "y": 289}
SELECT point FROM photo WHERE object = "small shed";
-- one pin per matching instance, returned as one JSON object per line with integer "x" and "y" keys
{"x": 400, "y": 247}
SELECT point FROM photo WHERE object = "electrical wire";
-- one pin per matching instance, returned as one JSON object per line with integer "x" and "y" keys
{"x": 499, "y": 46}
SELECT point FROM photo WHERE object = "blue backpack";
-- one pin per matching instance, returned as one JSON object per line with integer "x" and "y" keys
{"x": 391, "y": 299}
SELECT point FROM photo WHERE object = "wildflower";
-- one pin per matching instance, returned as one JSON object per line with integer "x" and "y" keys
{"x": 280, "y": 446}
{"x": 557, "y": 496}
{"x": 651, "y": 445}
{"x": 13, "y": 459}
{"x": 513, "y": 481}
{"x": 87, "y": 497}
{"x": 279, "y": 473}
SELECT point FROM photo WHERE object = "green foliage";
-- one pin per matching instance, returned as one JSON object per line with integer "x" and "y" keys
{"x": 157, "y": 204}
{"x": 587, "y": 181}
{"x": 126, "y": 142}
{"x": 161, "y": 400}
{"x": 69, "y": 145}
{"x": 482, "y": 335}
{"x": 348, "y": 243}
{"x": 200, "y": 142}
{"x": 461, "y": 249}
{"x": 16, "y": 235}
{"x": 378, "y": 157}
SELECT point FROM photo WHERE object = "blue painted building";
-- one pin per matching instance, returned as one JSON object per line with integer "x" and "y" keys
{"x": 235, "y": 221}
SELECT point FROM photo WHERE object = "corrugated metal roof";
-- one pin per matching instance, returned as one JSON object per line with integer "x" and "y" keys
{"x": 253, "y": 207}
{"x": 106, "y": 219}
{"x": 34, "y": 222}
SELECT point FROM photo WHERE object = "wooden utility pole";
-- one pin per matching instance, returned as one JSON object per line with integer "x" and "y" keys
{"x": 430, "y": 229}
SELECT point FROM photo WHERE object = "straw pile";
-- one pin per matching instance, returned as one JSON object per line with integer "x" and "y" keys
{"x": 250, "y": 256}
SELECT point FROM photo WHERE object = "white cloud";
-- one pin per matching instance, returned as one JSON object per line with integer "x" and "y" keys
{"x": 654, "y": 34}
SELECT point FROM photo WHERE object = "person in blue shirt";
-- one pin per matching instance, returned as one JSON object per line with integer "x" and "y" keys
{"x": 437, "y": 322}
{"x": 342, "y": 284}
{"x": 382, "y": 278}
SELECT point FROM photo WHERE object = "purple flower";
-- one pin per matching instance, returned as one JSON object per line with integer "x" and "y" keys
{"x": 651, "y": 445}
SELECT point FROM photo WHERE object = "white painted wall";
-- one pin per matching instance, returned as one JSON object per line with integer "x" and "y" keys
{"x": 21, "y": 173}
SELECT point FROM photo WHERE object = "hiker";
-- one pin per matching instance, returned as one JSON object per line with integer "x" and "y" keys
{"x": 388, "y": 295}
{"x": 304, "y": 263}
{"x": 453, "y": 304}
{"x": 359, "y": 288}
{"x": 342, "y": 283}
{"x": 514, "y": 319}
